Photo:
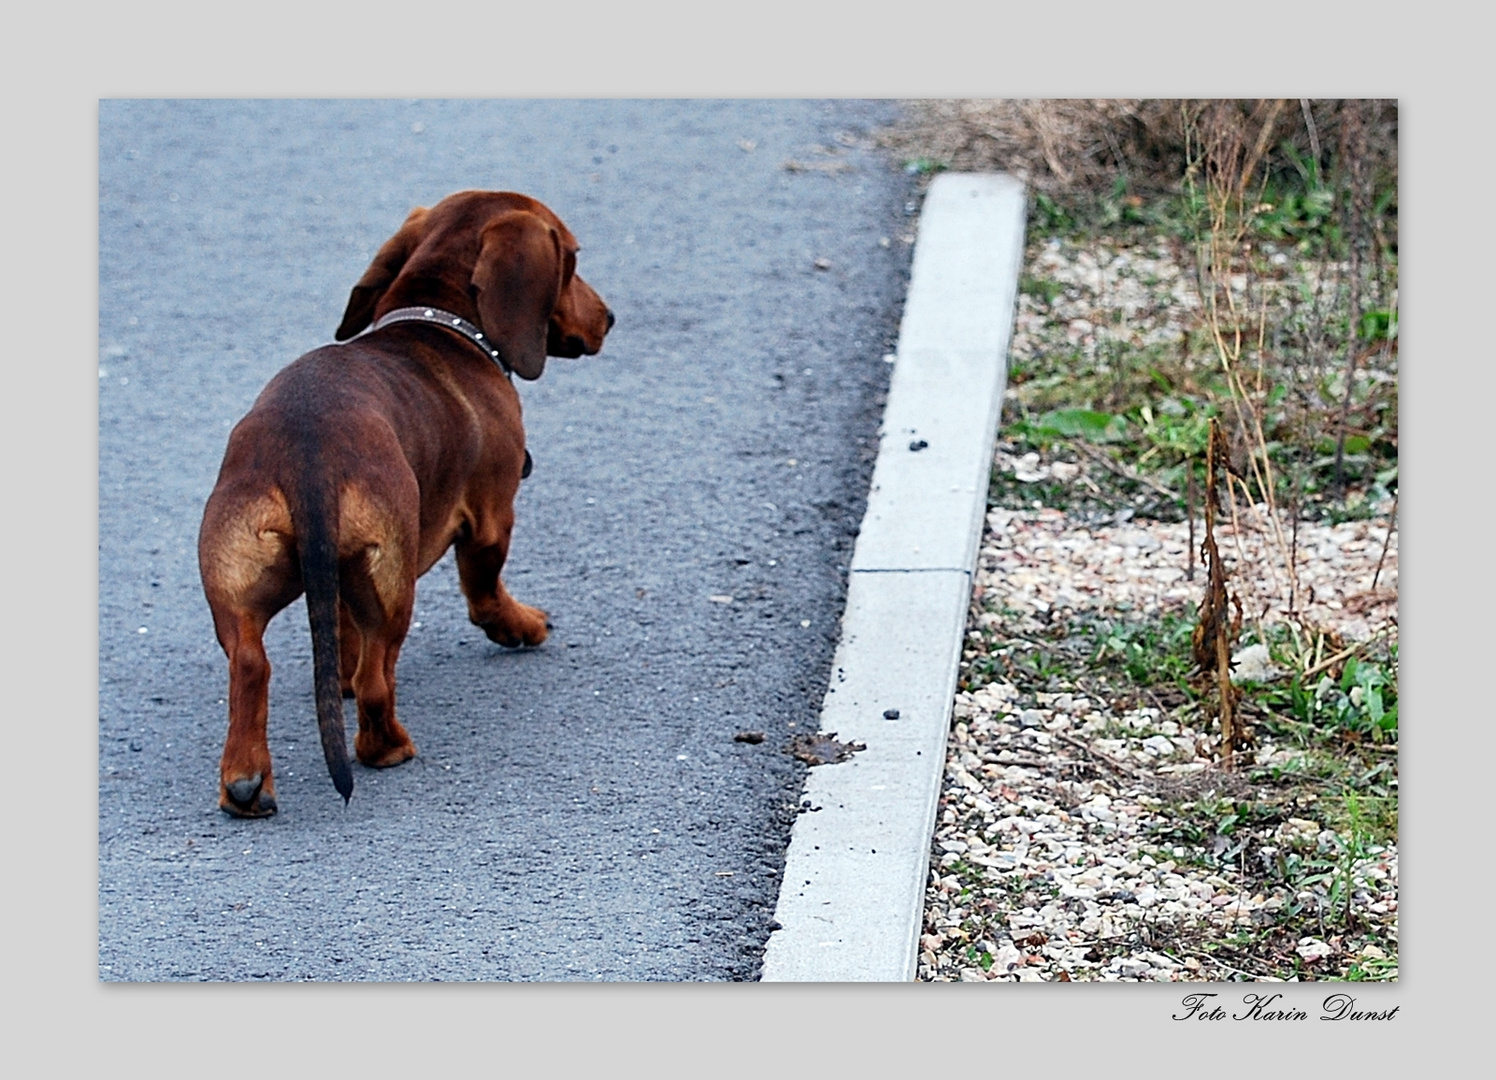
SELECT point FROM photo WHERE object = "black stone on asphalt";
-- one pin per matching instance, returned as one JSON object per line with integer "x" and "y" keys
{"x": 577, "y": 811}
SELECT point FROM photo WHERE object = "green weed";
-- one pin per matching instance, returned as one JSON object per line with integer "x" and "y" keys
{"x": 1360, "y": 704}
{"x": 924, "y": 166}
{"x": 1149, "y": 653}
{"x": 1381, "y": 969}
{"x": 1041, "y": 289}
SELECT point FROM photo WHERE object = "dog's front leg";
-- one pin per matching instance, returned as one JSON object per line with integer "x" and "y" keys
{"x": 503, "y": 618}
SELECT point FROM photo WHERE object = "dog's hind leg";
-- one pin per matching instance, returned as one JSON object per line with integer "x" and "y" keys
{"x": 349, "y": 645}
{"x": 503, "y": 618}
{"x": 248, "y": 575}
{"x": 246, "y": 781}
{"x": 382, "y": 740}
{"x": 378, "y": 589}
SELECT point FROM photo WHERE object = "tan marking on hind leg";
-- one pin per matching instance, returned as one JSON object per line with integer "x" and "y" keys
{"x": 246, "y": 785}
{"x": 242, "y": 542}
{"x": 367, "y": 528}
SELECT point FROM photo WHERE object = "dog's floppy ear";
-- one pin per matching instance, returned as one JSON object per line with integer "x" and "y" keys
{"x": 518, "y": 280}
{"x": 382, "y": 271}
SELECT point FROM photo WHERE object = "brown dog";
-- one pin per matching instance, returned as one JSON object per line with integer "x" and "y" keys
{"x": 360, "y": 464}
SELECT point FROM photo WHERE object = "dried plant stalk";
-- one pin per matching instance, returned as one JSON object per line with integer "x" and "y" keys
{"x": 1218, "y": 627}
{"x": 1226, "y": 158}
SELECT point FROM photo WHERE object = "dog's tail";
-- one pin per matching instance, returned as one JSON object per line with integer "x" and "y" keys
{"x": 316, "y": 519}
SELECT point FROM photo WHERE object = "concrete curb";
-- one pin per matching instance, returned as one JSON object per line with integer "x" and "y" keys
{"x": 852, "y": 899}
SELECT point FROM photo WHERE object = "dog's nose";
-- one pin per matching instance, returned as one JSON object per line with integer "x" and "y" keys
{"x": 611, "y": 320}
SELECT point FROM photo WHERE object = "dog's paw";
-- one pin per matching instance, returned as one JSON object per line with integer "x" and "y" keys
{"x": 378, "y": 753}
{"x": 523, "y": 626}
{"x": 247, "y": 797}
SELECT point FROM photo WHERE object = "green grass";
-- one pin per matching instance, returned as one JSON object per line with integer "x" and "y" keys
{"x": 1148, "y": 406}
{"x": 1150, "y": 653}
{"x": 1373, "y": 970}
{"x": 1041, "y": 289}
{"x": 1119, "y": 210}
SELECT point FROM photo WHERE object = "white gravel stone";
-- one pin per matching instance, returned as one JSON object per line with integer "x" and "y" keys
{"x": 1253, "y": 664}
{"x": 1313, "y": 949}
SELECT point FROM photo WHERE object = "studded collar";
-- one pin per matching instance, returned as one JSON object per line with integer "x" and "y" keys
{"x": 447, "y": 319}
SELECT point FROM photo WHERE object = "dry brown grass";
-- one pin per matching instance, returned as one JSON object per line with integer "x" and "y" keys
{"x": 1082, "y": 145}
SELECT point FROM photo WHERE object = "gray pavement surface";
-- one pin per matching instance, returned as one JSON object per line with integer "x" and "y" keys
{"x": 578, "y": 811}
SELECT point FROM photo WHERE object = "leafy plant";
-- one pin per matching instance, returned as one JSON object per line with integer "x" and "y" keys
{"x": 1049, "y": 217}
{"x": 1362, "y": 702}
{"x": 1088, "y": 424}
{"x": 1379, "y": 325}
{"x": 1302, "y": 213}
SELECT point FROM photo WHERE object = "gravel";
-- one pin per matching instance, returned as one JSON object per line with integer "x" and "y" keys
{"x": 1049, "y": 861}
{"x": 1049, "y": 801}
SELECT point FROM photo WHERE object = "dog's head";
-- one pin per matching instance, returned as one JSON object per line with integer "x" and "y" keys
{"x": 499, "y": 259}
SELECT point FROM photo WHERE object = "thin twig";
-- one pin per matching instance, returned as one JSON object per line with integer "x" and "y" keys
{"x": 1189, "y": 512}
{"x": 1125, "y": 471}
{"x": 1048, "y": 764}
{"x": 1293, "y": 557}
{"x": 1162, "y": 708}
{"x": 1254, "y": 975}
{"x": 1264, "y": 138}
{"x": 1236, "y": 531}
{"x": 1313, "y": 131}
{"x": 1352, "y": 153}
{"x": 1225, "y": 188}
{"x": 1331, "y": 661}
{"x": 1106, "y": 759}
{"x": 1391, "y": 524}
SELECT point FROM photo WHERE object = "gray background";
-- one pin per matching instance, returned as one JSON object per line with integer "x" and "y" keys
{"x": 578, "y": 811}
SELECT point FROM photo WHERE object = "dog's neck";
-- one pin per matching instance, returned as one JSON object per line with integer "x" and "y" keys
{"x": 431, "y": 287}
{"x": 423, "y": 313}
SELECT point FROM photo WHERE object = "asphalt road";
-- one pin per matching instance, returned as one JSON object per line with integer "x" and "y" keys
{"x": 577, "y": 811}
